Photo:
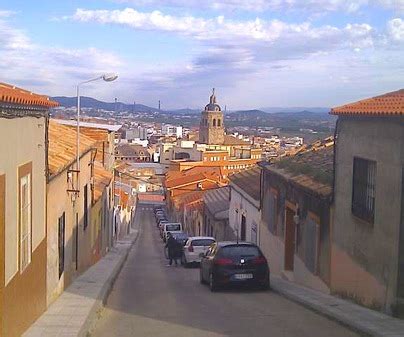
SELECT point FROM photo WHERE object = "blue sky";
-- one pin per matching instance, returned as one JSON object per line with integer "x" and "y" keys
{"x": 257, "y": 53}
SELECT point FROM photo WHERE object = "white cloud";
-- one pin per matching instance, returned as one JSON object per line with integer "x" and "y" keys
{"x": 220, "y": 28}
{"x": 48, "y": 69}
{"x": 397, "y": 5}
{"x": 395, "y": 29}
{"x": 252, "y": 62}
{"x": 6, "y": 13}
{"x": 273, "y": 5}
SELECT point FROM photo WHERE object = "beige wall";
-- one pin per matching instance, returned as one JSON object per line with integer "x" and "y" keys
{"x": 15, "y": 151}
{"x": 59, "y": 201}
{"x": 247, "y": 206}
{"x": 273, "y": 248}
{"x": 368, "y": 251}
{"x": 22, "y": 141}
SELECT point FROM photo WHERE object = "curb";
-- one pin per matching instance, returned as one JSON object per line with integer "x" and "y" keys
{"x": 361, "y": 320}
{"x": 78, "y": 308}
{"x": 95, "y": 312}
{"x": 320, "y": 310}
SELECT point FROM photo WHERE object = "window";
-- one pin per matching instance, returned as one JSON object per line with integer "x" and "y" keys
{"x": 219, "y": 122}
{"x": 61, "y": 243}
{"x": 25, "y": 221}
{"x": 173, "y": 228}
{"x": 202, "y": 242}
{"x": 237, "y": 251}
{"x": 85, "y": 223}
{"x": 214, "y": 122}
{"x": 363, "y": 189}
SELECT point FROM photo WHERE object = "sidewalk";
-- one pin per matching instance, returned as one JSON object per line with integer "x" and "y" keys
{"x": 360, "y": 319}
{"x": 75, "y": 311}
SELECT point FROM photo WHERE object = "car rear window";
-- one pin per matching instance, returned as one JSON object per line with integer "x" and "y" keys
{"x": 181, "y": 236}
{"x": 202, "y": 242}
{"x": 239, "y": 251}
{"x": 174, "y": 227}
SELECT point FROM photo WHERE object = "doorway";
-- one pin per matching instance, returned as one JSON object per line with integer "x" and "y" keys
{"x": 289, "y": 239}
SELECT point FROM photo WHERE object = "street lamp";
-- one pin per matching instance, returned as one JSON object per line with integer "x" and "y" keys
{"x": 106, "y": 78}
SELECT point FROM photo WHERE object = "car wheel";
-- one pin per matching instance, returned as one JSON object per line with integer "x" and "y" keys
{"x": 184, "y": 261}
{"x": 212, "y": 283}
{"x": 266, "y": 285}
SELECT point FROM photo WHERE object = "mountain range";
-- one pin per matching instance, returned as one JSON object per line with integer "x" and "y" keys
{"x": 89, "y": 102}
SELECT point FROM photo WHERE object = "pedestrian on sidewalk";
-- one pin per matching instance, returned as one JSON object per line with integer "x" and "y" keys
{"x": 172, "y": 246}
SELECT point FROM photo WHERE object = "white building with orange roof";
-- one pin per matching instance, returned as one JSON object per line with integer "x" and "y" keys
{"x": 79, "y": 207}
{"x": 23, "y": 236}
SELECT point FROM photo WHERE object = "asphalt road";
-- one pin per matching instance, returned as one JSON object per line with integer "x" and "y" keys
{"x": 150, "y": 299}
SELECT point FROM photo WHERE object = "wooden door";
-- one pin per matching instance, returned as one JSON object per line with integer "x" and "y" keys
{"x": 289, "y": 239}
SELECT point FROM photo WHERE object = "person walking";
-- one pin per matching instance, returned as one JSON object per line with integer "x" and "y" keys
{"x": 172, "y": 246}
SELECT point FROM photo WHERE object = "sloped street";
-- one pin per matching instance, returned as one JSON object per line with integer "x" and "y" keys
{"x": 150, "y": 299}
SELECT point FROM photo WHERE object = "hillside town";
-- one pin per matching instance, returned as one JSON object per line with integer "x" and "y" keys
{"x": 73, "y": 191}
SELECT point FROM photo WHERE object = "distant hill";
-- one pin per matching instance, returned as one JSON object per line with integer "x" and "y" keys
{"x": 296, "y": 109}
{"x": 260, "y": 114}
{"x": 247, "y": 114}
{"x": 286, "y": 121}
{"x": 88, "y": 102}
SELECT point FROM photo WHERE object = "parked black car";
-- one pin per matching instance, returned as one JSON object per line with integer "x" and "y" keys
{"x": 228, "y": 263}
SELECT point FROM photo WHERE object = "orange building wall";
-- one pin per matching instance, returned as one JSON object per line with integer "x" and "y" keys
{"x": 24, "y": 297}
{"x": 349, "y": 279}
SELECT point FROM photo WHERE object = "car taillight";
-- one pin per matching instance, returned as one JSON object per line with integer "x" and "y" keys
{"x": 259, "y": 260}
{"x": 191, "y": 249}
{"x": 223, "y": 262}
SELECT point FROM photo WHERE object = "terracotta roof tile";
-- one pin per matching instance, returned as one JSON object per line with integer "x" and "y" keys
{"x": 231, "y": 140}
{"x": 388, "y": 104}
{"x": 188, "y": 198}
{"x": 217, "y": 200}
{"x": 15, "y": 95}
{"x": 193, "y": 175}
{"x": 62, "y": 147}
{"x": 186, "y": 180}
{"x": 248, "y": 181}
{"x": 312, "y": 170}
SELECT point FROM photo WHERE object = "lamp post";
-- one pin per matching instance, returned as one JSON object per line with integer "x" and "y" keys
{"x": 106, "y": 78}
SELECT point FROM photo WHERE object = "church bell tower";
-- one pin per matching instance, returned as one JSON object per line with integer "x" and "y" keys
{"x": 211, "y": 128}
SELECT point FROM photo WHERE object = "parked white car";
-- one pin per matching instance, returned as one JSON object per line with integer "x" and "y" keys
{"x": 195, "y": 247}
{"x": 171, "y": 227}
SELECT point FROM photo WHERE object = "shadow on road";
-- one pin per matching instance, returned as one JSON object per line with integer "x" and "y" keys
{"x": 150, "y": 299}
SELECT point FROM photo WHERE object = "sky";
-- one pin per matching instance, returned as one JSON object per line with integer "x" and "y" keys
{"x": 256, "y": 53}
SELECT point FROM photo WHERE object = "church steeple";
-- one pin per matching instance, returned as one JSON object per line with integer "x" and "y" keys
{"x": 213, "y": 97}
{"x": 213, "y": 106}
{"x": 211, "y": 129}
